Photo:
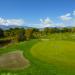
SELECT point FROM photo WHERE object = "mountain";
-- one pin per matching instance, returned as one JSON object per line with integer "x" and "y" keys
{"x": 4, "y": 27}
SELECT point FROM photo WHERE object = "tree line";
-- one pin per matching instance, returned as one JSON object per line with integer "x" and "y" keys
{"x": 21, "y": 34}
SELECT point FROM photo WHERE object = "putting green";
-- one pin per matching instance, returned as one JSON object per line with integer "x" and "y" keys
{"x": 55, "y": 52}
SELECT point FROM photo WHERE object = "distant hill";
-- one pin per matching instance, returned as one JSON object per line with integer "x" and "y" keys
{"x": 4, "y": 27}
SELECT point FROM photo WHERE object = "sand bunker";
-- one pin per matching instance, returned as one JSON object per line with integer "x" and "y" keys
{"x": 13, "y": 61}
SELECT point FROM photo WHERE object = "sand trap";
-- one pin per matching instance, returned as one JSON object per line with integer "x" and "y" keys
{"x": 13, "y": 61}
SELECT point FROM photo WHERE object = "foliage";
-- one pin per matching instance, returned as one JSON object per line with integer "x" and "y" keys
{"x": 1, "y": 33}
{"x": 21, "y": 34}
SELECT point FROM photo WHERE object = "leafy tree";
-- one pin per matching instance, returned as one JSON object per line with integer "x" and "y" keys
{"x": 28, "y": 33}
{"x": 21, "y": 35}
{"x": 1, "y": 33}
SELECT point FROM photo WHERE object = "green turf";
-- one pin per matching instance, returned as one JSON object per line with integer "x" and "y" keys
{"x": 37, "y": 67}
{"x": 46, "y": 57}
{"x": 58, "y": 53}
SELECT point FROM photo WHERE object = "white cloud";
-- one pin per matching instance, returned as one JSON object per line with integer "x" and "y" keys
{"x": 73, "y": 13}
{"x": 66, "y": 20}
{"x": 59, "y": 25}
{"x": 66, "y": 17}
{"x": 11, "y": 21}
{"x": 46, "y": 22}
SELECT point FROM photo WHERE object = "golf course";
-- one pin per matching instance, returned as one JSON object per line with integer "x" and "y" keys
{"x": 37, "y": 37}
{"x": 52, "y": 56}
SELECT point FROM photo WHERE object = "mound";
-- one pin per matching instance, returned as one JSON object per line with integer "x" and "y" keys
{"x": 13, "y": 61}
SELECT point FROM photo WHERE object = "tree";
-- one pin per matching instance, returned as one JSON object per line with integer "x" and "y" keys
{"x": 21, "y": 35}
{"x": 46, "y": 30}
{"x": 28, "y": 33}
{"x": 73, "y": 29}
{"x": 36, "y": 33}
{"x": 1, "y": 33}
{"x": 65, "y": 29}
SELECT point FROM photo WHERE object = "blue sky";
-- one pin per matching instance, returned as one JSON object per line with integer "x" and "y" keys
{"x": 31, "y": 11}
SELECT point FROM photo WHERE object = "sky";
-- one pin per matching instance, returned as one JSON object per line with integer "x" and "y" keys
{"x": 37, "y": 13}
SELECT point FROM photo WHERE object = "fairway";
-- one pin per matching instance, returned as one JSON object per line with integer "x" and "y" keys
{"x": 55, "y": 52}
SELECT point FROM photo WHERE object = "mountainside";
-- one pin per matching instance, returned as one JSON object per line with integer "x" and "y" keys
{"x": 12, "y": 26}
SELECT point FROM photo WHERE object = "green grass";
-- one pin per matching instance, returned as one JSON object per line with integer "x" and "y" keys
{"x": 37, "y": 67}
{"x": 50, "y": 57}
{"x": 61, "y": 54}
{"x": 61, "y": 36}
{"x": 58, "y": 50}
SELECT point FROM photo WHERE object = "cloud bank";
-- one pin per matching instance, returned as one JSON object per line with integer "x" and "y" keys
{"x": 73, "y": 13}
{"x": 11, "y": 21}
{"x": 67, "y": 19}
{"x": 46, "y": 22}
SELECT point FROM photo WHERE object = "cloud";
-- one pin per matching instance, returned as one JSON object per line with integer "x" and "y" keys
{"x": 59, "y": 25}
{"x": 66, "y": 17}
{"x": 73, "y": 13}
{"x": 11, "y": 21}
{"x": 67, "y": 20}
{"x": 46, "y": 22}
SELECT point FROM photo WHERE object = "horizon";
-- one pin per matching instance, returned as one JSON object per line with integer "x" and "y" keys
{"x": 37, "y": 13}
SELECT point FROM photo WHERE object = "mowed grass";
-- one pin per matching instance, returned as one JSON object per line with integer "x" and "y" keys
{"x": 45, "y": 57}
{"x": 57, "y": 50}
{"x": 59, "y": 53}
